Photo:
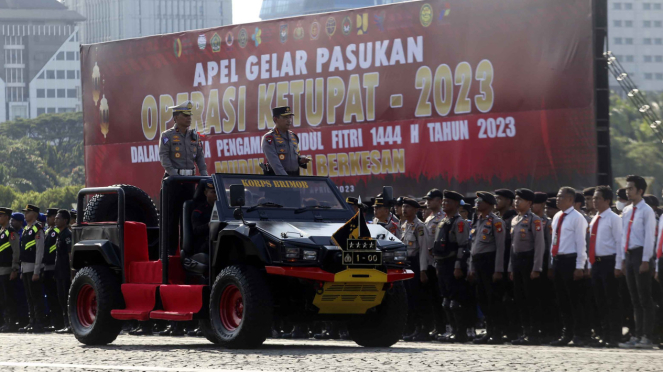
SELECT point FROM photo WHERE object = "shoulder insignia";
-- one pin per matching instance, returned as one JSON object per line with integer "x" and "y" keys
{"x": 269, "y": 139}
{"x": 461, "y": 226}
{"x": 165, "y": 140}
{"x": 67, "y": 241}
{"x": 12, "y": 236}
{"x": 537, "y": 225}
{"x": 498, "y": 227}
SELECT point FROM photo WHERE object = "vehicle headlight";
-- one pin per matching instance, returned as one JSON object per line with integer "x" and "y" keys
{"x": 292, "y": 253}
{"x": 396, "y": 256}
{"x": 310, "y": 255}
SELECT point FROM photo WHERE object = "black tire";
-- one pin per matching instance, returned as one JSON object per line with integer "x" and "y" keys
{"x": 384, "y": 327}
{"x": 206, "y": 328}
{"x": 139, "y": 207}
{"x": 250, "y": 328}
{"x": 95, "y": 327}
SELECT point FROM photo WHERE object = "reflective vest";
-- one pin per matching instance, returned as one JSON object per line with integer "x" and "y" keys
{"x": 29, "y": 244}
{"x": 6, "y": 252}
{"x": 50, "y": 240}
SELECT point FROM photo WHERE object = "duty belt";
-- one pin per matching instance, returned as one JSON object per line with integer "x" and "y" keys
{"x": 611, "y": 257}
{"x": 186, "y": 172}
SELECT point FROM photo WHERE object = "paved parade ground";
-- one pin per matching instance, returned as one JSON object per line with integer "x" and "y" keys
{"x": 134, "y": 353}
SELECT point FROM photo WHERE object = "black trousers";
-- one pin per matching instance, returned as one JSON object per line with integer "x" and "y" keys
{"x": 63, "y": 282}
{"x": 606, "y": 295}
{"x": 569, "y": 296}
{"x": 414, "y": 293}
{"x": 451, "y": 288}
{"x": 489, "y": 293}
{"x": 8, "y": 299}
{"x": 35, "y": 297}
{"x": 433, "y": 314}
{"x": 51, "y": 291}
{"x": 639, "y": 287}
{"x": 525, "y": 290}
{"x": 179, "y": 193}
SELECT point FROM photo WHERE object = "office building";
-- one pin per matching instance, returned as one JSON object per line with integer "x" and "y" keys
{"x": 273, "y": 9}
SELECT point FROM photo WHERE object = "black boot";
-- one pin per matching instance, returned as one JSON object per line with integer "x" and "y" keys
{"x": 421, "y": 335}
{"x": 460, "y": 334}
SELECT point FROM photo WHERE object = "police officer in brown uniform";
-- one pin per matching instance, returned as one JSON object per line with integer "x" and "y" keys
{"x": 487, "y": 237}
{"x": 450, "y": 251}
{"x": 416, "y": 238}
{"x": 527, "y": 252}
{"x": 281, "y": 146}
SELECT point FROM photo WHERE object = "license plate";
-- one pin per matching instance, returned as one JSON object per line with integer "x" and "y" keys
{"x": 362, "y": 258}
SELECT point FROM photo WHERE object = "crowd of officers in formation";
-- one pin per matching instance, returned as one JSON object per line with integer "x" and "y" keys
{"x": 34, "y": 269}
{"x": 570, "y": 270}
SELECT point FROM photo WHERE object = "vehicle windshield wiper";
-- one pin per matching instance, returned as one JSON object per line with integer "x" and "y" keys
{"x": 310, "y": 208}
{"x": 266, "y": 205}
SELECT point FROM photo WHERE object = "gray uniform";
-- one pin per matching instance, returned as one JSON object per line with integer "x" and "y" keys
{"x": 527, "y": 234}
{"x": 488, "y": 235}
{"x": 282, "y": 152}
{"x": 431, "y": 224}
{"x": 28, "y": 267}
{"x": 393, "y": 225}
{"x": 179, "y": 151}
{"x": 417, "y": 239}
{"x": 458, "y": 233}
{"x": 15, "y": 246}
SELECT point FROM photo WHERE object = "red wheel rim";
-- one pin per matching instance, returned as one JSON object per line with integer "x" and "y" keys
{"x": 86, "y": 306}
{"x": 231, "y": 307}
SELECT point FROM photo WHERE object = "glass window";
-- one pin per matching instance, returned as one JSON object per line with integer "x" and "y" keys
{"x": 628, "y": 23}
{"x": 617, "y": 6}
{"x": 648, "y": 58}
{"x": 59, "y": 74}
{"x": 71, "y": 74}
{"x": 648, "y": 76}
{"x": 50, "y": 93}
{"x": 657, "y": 6}
{"x": 658, "y": 41}
{"x": 50, "y": 74}
{"x": 41, "y": 76}
{"x": 628, "y": 41}
{"x": 628, "y": 6}
{"x": 646, "y": 41}
{"x": 618, "y": 40}
{"x": 646, "y": 23}
{"x": 617, "y": 23}
{"x": 77, "y": 55}
{"x": 659, "y": 76}
{"x": 657, "y": 24}
{"x": 78, "y": 74}
{"x": 646, "y": 6}
{"x": 71, "y": 93}
{"x": 50, "y": 110}
{"x": 659, "y": 58}
{"x": 40, "y": 111}
{"x": 60, "y": 56}
{"x": 62, "y": 93}
{"x": 41, "y": 93}
{"x": 71, "y": 56}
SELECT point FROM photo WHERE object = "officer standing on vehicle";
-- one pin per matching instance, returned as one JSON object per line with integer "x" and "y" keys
{"x": 487, "y": 237}
{"x": 50, "y": 286}
{"x": 527, "y": 249}
{"x": 9, "y": 268}
{"x": 181, "y": 148}
{"x": 450, "y": 252}
{"x": 281, "y": 146}
{"x": 32, "y": 253}
{"x": 416, "y": 238}
{"x": 384, "y": 217}
{"x": 62, "y": 269}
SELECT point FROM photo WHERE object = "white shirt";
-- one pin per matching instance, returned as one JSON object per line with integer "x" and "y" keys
{"x": 572, "y": 236}
{"x": 642, "y": 230}
{"x": 608, "y": 236}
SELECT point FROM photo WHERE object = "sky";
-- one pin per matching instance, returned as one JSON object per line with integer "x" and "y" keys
{"x": 246, "y": 11}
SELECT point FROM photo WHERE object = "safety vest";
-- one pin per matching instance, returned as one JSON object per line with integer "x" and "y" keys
{"x": 29, "y": 244}
{"x": 6, "y": 252}
{"x": 50, "y": 244}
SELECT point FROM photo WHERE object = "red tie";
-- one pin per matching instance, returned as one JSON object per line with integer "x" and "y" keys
{"x": 628, "y": 232}
{"x": 659, "y": 251}
{"x": 592, "y": 241}
{"x": 559, "y": 231}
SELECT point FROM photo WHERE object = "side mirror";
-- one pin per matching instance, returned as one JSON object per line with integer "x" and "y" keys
{"x": 237, "y": 195}
{"x": 387, "y": 195}
{"x": 237, "y": 214}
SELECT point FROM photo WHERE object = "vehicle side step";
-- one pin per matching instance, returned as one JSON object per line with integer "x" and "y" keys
{"x": 179, "y": 302}
{"x": 139, "y": 300}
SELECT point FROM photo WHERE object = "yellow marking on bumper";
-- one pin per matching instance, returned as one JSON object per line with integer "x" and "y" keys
{"x": 361, "y": 275}
{"x": 349, "y": 297}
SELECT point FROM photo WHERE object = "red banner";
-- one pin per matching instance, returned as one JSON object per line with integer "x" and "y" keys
{"x": 469, "y": 95}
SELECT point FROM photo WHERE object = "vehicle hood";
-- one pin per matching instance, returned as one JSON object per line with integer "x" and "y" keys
{"x": 318, "y": 233}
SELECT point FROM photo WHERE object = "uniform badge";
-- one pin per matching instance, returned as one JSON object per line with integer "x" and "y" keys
{"x": 178, "y": 155}
{"x": 484, "y": 231}
{"x": 67, "y": 241}
{"x": 522, "y": 231}
{"x": 483, "y": 237}
{"x": 421, "y": 231}
{"x": 281, "y": 150}
{"x": 461, "y": 226}
{"x": 489, "y": 223}
{"x": 177, "y": 149}
{"x": 2, "y": 236}
{"x": 537, "y": 225}
{"x": 498, "y": 227}
{"x": 165, "y": 140}
{"x": 30, "y": 232}
{"x": 53, "y": 234}
{"x": 526, "y": 221}
{"x": 12, "y": 236}
{"x": 409, "y": 243}
{"x": 176, "y": 137}
{"x": 282, "y": 157}
{"x": 523, "y": 236}
{"x": 269, "y": 140}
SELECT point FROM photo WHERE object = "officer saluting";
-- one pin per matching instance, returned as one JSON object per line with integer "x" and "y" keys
{"x": 180, "y": 148}
{"x": 281, "y": 146}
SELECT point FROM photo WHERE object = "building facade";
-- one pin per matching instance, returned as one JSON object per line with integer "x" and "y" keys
{"x": 108, "y": 20}
{"x": 40, "y": 70}
{"x": 273, "y": 9}
{"x": 635, "y": 32}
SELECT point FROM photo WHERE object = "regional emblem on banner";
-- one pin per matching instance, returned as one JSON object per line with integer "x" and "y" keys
{"x": 243, "y": 38}
{"x": 202, "y": 41}
{"x": 346, "y": 26}
{"x": 299, "y": 32}
{"x": 426, "y": 15}
{"x": 283, "y": 33}
{"x": 229, "y": 39}
{"x": 315, "y": 30}
{"x": 215, "y": 43}
{"x": 330, "y": 26}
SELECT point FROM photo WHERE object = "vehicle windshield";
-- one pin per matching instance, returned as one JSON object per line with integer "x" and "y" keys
{"x": 289, "y": 193}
